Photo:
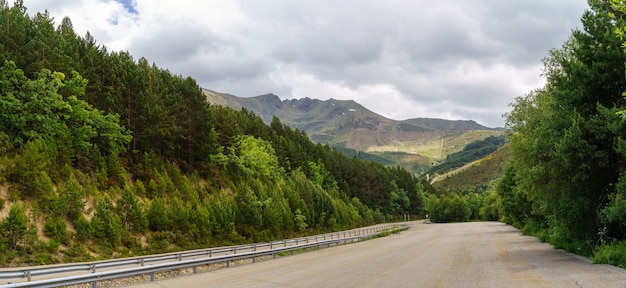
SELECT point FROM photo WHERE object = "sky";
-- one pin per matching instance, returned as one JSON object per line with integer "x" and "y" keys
{"x": 451, "y": 59}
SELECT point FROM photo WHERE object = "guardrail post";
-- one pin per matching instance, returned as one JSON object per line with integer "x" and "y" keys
{"x": 195, "y": 269}
{"x": 254, "y": 247}
{"x": 94, "y": 284}
{"x": 151, "y": 276}
{"x": 210, "y": 253}
{"x": 284, "y": 243}
{"x": 93, "y": 268}
{"x": 296, "y": 241}
{"x": 27, "y": 275}
{"x": 141, "y": 262}
{"x": 235, "y": 250}
{"x": 180, "y": 257}
{"x": 271, "y": 245}
{"x": 227, "y": 263}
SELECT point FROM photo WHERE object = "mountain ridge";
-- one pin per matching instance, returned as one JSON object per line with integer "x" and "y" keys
{"x": 348, "y": 124}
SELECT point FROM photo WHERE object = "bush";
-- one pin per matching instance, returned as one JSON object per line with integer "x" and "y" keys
{"x": 55, "y": 228}
{"x": 612, "y": 254}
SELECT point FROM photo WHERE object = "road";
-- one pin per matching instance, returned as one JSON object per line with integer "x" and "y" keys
{"x": 478, "y": 254}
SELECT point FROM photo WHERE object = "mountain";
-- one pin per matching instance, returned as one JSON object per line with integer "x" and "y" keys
{"x": 347, "y": 124}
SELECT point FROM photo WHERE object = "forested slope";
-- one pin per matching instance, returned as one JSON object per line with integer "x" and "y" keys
{"x": 102, "y": 155}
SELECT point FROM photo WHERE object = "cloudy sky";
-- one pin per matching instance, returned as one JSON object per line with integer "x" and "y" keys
{"x": 453, "y": 59}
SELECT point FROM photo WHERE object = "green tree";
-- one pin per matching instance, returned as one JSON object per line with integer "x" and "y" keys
{"x": 14, "y": 226}
{"x": 73, "y": 195}
{"x": 106, "y": 225}
{"x": 130, "y": 211}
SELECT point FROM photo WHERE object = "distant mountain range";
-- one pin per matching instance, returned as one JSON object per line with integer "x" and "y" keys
{"x": 347, "y": 124}
{"x": 350, "y": 125}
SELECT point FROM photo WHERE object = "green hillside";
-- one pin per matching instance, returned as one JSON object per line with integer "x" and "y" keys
{"x": 104, "y": 156}
{"x": 470, "y": 153}
{"x": 476, "y": 175}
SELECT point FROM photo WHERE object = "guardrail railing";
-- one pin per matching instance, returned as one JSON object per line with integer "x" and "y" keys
{"x": 90, "y": 271}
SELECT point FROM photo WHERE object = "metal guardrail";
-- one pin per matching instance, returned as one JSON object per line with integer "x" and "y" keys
{"x": 209, "y": 257}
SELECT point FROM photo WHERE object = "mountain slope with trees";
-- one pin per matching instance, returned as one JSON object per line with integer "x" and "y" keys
{"x": 106, "y": 156}
{"x": 470, "y": 153}
{"x": 348, "y": 125}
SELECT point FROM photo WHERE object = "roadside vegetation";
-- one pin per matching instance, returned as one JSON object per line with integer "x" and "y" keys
{"x": 565, "y": 182}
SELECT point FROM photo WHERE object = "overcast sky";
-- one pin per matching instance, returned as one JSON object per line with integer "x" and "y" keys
{"x": 452, "y": 59}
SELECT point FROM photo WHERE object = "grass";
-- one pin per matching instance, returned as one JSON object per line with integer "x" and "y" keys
{"x": 612, "y": 254}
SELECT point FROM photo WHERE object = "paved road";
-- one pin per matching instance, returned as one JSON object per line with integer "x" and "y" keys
{"x": 482, "y": 254}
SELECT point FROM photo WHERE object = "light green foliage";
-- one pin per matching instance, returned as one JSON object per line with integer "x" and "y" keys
{"x": 36, "y": 109}
{"x": 256, "y": 157}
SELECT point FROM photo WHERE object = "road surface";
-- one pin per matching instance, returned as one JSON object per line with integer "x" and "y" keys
{"x": 478, "y": 254}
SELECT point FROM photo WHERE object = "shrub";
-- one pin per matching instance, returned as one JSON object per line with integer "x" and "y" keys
{"x": 612, "y": 253}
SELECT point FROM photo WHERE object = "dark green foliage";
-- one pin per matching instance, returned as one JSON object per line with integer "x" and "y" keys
{"x": 157, "y": 217}
{"x": 106, "y": 224}
{"x": 490, "y": 209}
{"x": 83, "y": 228}
{"x": 55, "y": 228}
{"x": 129, "y": 209}
{"x": 14, "y": 227}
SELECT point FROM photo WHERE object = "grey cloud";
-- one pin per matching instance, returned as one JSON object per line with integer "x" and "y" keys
{"x": 175, "y": 42}
{"x": 418, "y": 47}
